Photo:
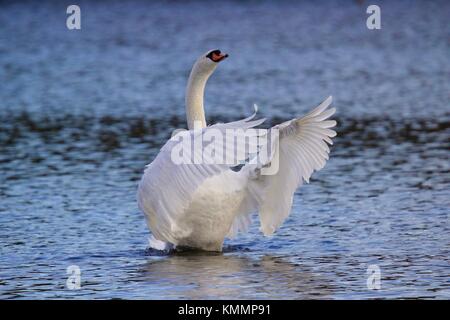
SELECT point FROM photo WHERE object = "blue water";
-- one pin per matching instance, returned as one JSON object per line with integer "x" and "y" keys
{"x": 82, "y": 112}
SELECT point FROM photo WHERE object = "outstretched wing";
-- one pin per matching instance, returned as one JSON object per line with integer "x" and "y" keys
{"x": 167, "y": 186}
{"x": 301, "y": 149}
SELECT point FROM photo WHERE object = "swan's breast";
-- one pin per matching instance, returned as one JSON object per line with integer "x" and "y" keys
{"x": 212, "y": 210}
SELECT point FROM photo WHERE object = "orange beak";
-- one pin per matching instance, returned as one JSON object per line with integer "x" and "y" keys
{"x": 218, "y": 57}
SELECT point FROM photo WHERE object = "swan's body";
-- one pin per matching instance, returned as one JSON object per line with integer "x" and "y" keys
{"x": 212, "y": 210}
{"x": 198, "y": 205}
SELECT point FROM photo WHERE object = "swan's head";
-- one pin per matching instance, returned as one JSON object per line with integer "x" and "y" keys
{"x": 208, "y": 61}
{"x": 216, "y": 55}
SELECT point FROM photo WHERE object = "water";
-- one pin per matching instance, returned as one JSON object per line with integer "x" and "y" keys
{"x": 82, "y": 112}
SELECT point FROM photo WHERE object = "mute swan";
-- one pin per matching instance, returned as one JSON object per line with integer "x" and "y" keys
{"x": 198, "y": 205}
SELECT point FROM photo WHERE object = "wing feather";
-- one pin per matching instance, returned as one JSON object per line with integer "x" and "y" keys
{"x": 302, "y": 149}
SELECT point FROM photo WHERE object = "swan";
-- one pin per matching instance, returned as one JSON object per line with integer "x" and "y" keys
{"x": 198, "y": 205}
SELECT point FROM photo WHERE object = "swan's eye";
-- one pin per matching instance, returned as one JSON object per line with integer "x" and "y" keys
{"x": 216, "y": 55}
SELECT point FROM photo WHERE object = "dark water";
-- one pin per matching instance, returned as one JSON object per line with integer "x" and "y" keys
{"x": 82, "y": 112}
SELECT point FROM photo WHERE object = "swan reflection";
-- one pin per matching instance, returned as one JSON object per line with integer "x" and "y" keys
{"x": 227, "y": 276}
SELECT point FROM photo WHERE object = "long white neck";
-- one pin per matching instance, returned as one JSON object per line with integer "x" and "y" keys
{"x": 194, "y": 95}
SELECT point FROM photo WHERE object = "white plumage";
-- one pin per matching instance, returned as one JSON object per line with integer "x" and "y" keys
{"x": 198, "y": 205}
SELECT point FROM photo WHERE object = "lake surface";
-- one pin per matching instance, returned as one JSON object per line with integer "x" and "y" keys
{"x": 82, "y": 112}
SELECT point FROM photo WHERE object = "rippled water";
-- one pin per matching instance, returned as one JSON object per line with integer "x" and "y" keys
{"x": 82, "y": 112}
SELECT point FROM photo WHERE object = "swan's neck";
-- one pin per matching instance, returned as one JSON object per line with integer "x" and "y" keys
{"x": 195, "y": 90}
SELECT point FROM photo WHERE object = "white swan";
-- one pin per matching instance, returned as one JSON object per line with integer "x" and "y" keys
{"x": 198, "y": 205}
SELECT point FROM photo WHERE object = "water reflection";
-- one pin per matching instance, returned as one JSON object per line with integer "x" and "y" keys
{"x": 227, "y": 276}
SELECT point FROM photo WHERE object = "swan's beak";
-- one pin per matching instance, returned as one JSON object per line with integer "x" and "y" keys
{"x": 217, "y": 57}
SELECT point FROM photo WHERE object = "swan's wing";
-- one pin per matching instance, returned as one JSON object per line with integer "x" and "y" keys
{"x": 302, "y": 149}
{"x": 167, "y": 186}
